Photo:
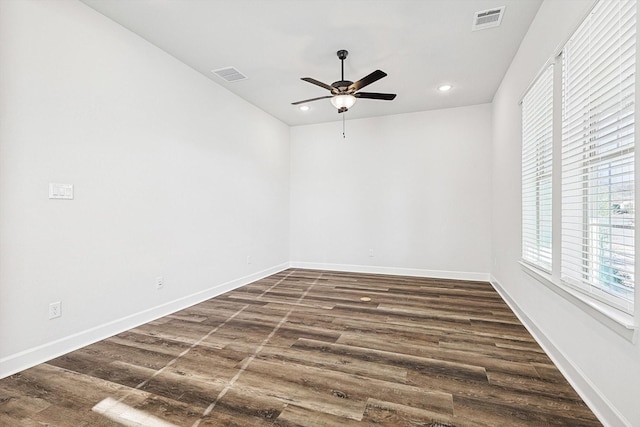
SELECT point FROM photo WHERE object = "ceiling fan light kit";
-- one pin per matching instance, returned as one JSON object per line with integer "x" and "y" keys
{"x": 344, "y": 93}
{"x": 343, "y": 102}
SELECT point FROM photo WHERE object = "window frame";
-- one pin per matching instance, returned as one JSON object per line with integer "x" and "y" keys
{"x": 595, "y": 123}
{"x": 625, "y": 323}
{"x": 537, "y": 171}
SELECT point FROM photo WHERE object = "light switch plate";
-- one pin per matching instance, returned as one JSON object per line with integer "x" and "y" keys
{"x": 55, "y": 310}
{"x": 60, "y": 191}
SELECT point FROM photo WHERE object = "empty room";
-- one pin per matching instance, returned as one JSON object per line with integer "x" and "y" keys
{"x": 318, "y": 213}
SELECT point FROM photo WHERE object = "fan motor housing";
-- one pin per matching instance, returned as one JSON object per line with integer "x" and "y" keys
{"x": 342, "y": 85}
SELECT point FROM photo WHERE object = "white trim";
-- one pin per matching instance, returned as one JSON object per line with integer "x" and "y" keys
{"x": 397, "y": 271}
{"x": 40, "y": 354}
{"x": 617, "y": 321}
{"x": 593, "y": 398}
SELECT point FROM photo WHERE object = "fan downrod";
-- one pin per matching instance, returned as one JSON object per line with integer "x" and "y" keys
{"x": 342, "y": 85}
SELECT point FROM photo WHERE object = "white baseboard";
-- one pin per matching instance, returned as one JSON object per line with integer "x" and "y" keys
{"x": 397, "y": 271}
{"x": 595, "y": 400}
{"x": 40, "y": 354}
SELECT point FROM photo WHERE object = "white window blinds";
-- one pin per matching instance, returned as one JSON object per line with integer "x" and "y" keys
{"x": 598, "y": 206}
{"x": 537, "y": 145}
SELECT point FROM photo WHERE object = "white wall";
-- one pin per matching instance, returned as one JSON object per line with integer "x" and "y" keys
{"x": 174, "y": 176}
{"x": 604, "y": 366}
{"x": 412, "y": 187}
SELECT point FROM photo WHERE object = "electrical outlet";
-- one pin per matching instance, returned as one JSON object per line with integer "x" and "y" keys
{"x": 371, "y": 253}
{"x": 55, "y": 310}
{"x": 249, "y": 260}
{"x": 159, "y": 283}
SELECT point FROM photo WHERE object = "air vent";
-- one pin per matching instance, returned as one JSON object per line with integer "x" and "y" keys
{"x": 487, "y": 18}
{"x": 229, "y": 74}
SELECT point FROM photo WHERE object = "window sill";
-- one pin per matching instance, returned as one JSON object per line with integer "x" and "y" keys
{"x": 621, "y": 323}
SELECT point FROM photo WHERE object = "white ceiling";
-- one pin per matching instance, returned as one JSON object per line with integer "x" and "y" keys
{"x": 420, "y": 44}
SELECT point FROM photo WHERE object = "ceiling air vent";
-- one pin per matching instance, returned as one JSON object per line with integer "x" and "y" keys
{"x": 487, "y": 18}
{"x": 229, "y": 74}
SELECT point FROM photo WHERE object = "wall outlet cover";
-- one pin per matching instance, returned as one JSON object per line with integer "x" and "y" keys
{"x": 55, "y": 310}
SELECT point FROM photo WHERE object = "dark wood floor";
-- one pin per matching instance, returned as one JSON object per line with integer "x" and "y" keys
{"x": 300, "y": 348}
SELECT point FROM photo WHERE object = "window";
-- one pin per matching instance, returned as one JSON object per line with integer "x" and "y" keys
{"x": 598, "y": 203}
{"x": 537, "y": 145}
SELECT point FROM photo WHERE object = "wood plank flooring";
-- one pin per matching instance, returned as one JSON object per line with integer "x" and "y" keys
{"x": 300, "y": 348}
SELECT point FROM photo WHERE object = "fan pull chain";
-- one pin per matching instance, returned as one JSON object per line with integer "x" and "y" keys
{"x": 343, "y": 135}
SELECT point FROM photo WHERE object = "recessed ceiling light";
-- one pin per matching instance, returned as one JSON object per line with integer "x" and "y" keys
{"x": 444, "y": 88}
{"x": 304, "y": 107}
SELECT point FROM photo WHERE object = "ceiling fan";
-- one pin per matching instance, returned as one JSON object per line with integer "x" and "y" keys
{"x": 344, "y": 92}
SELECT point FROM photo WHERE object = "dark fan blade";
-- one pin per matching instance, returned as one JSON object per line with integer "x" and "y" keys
{"x": 317, "y": 83}
{"x": 374, "y": 95}
{"x": 312, "y": 99}
{"x": 375, "y": 76}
